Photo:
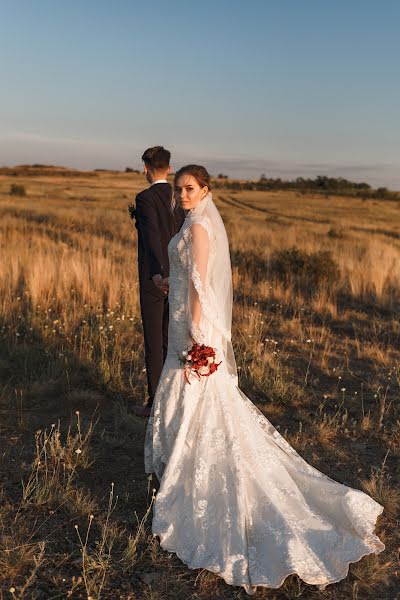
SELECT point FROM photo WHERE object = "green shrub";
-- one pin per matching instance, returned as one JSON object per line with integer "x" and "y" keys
{"x": 298, "y": 266}
{"x": 336, "y": 233}
{"x": 382, "y": 192}
{"x": 17, "y": 190}
{"x": 251, "y": 262}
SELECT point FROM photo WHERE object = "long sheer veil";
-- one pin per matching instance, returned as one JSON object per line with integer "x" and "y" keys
{"x": 216, "y": 292}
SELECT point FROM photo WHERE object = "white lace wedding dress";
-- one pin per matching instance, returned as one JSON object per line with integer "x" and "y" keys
{"x": 235, "y": 498}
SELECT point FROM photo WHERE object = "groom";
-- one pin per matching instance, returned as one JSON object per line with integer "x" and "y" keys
{"x": 156, "y": 223}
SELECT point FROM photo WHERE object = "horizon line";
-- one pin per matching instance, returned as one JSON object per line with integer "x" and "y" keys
{"x": 224, "y": 176}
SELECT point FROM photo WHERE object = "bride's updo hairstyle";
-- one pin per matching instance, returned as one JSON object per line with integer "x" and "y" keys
{"x": 200, "y": 174}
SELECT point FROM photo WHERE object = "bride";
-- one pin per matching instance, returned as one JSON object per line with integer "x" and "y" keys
{"x": 235, "y": 498}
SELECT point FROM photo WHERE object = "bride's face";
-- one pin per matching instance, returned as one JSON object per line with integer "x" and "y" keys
{"x": 188, "y": 192}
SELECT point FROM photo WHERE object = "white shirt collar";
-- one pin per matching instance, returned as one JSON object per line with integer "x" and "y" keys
{"x": 159, "y": 181}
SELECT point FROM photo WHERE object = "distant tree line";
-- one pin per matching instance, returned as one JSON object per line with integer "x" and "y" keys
{"x": 321, "y": 184}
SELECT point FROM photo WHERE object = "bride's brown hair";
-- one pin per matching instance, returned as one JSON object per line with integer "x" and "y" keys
{"x": 200, "y": 174}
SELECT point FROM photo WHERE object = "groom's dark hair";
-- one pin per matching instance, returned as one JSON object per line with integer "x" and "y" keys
{"x": 156, "y": 158}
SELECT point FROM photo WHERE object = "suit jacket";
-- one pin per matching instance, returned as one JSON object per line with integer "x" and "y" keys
{"x": 156, "y": 225}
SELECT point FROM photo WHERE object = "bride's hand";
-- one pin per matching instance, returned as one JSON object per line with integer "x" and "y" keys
{"x": 195, "y": 331}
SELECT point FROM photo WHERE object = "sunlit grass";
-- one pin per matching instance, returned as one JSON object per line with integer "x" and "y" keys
{"x": 321, "y": 360}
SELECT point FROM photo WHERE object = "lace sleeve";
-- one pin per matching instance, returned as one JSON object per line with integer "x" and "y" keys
{"x": 198, "y": 259}
{"x": 202, "y": 307}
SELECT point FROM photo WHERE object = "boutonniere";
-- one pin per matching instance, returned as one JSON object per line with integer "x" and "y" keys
{"x": 132, "y": 211}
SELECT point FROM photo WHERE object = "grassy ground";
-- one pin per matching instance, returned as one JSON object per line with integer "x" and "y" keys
{"x": 316, "y": 335}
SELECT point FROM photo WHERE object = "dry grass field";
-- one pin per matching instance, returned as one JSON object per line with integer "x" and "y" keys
{"x": 317, "y": 341}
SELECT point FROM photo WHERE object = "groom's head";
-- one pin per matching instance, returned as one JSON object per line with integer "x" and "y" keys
{"x": 156, "y": 163}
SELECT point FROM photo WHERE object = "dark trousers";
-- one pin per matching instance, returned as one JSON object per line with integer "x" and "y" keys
{"x": 154, "y": 309}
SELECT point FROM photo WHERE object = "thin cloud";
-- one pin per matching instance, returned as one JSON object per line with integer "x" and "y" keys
{"x": 39, "y": 138}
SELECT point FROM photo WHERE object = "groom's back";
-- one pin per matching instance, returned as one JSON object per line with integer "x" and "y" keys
{"x": 156, "y": 224}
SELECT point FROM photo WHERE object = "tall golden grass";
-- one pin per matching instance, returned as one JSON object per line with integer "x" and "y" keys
{"x": 320, "y": 357}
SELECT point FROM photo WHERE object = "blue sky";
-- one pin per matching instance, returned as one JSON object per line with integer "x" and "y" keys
{"x": 289, "y": 88}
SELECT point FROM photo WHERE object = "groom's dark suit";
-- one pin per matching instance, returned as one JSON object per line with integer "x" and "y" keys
{"x": 156, "y": 225}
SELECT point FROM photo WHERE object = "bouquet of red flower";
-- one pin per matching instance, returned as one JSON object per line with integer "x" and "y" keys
{"x": 200, "y": 359}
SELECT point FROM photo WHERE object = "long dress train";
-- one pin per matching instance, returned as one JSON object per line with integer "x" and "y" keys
{"x": 235, "y": 498}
